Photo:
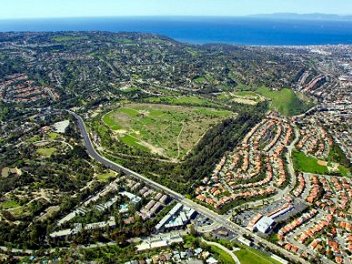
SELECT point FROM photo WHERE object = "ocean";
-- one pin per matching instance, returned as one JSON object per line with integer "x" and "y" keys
{"x": 200, "y": 30}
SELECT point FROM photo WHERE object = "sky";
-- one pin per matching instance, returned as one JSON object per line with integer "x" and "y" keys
{"x": 15, "y": 9}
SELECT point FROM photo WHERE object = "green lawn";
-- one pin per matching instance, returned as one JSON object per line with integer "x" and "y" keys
{"x": 46, "y": 152}
{"x": 193, "y": 52}
{"x": 53, "y": 135}
{"x": 33, "y": 139}
{"x": 9, "y": 204}
{"x": 68, "y": 38}
{"x": 200, "y": 80}
{"x": 345, "y": 171}
{"x": 285, "y": 101}
{"x": 249, "y": 255}
{"x": 104, "y": 177}
{"x": 110, "y": 122}
{"x": 247, "y": 94}
{"x": 305, "y": 163}
{"x": 223, "y": 256}
{"x": 241, "y": 97}
{"x": 133, "y": 142}
{"x": 130, "y": 89}
{"x": 181, "y": 100}
{"x": 168, "y": 130}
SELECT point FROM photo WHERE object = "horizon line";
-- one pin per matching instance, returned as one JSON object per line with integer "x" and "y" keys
{"x": 263, "y": 15}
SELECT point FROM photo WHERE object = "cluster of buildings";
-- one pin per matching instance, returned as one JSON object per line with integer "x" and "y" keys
{"x": 311, "y": 86}
{"x": 178, "y": 217}
{"x": 337, "y": 119}
{"x": 18, "y": 88}
{"x": 315, "y": 189}
{"x": 331, "y": 193}
{"x": 332, "y": 87}
{"x": 300, "y": 186}
{"x": 149, "y": 200}
{"x": 178, "y": 255}
{"x": 154, "y": 206}
{"x": 305, "y": 217}
{"x": 160, "y": 241}
{"x": 256, "y": 168}
{"x": 78, "y": 227}
{"x": 325, "y": 228}
{"x": 265, "y": 223}
{"x": 314, "y": 140}
{"x": 321, "y": 229}
{"x": 156, "y": 201}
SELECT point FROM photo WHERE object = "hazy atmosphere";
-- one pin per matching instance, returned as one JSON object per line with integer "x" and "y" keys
{"x": 90, "y": 8}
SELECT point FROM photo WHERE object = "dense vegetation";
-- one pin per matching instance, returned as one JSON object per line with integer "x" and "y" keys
{"x": 217, "y": 141}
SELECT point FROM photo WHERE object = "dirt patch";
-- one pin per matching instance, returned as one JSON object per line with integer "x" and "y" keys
{"x": 322, "y": 163}
{"x": 48, "y": 212}
{"x": 121, "y": 117}
{"x": 143, "y": 112}
{"x": 153, "y": 149}
{"x": 241, "y": 100}
{"x": 333, "y": 167}
{"x": 121, "y": 131}
{"x": 5, "y": 172}
{"x": 41, "y": 143}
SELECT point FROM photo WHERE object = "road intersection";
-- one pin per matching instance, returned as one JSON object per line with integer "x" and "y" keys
{"x": 222, "y": 220}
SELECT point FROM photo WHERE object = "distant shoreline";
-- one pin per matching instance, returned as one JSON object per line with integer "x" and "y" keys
{"x": 244, "y": 31}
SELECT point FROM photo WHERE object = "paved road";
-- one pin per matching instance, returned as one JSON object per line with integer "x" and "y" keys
{"x": 220, "y": 219}
{"x": 208, "y": 228}
{"x": 291, "y": 169}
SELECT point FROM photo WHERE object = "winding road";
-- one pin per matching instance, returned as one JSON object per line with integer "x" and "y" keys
{"x": 222, "y": 220}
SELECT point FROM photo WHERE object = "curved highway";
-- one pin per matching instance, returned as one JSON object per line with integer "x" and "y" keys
{"x": 220, "y": 219}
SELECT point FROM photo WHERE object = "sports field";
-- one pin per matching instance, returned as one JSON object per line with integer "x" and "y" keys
{"x": 310, "y": 164}
{"x": 168, "y": 130}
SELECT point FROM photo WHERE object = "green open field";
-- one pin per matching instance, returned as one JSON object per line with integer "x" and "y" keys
{"x": 200, "y": 80}
{"x": 310, "y": 164}
{"x": 33, "y": 139}
{"x": 53, "y": 135}
{"x": 104, "y": 177}
{"x": 9, "y": 204}
{"x": 46, "y": 152}
{"x": 181, "y": 100}
{"x": 167, "y": 130}
{"x": 223, "y": 256}
{"x": 242, "y": 97}
{"x": 68, "y": 38}
{"x": 249, "y": 255}
{"x": 130, "y": 89}
{"x": 285, "y": 101}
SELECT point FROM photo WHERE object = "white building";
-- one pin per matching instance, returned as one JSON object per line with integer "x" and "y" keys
{"x": 265, "y": 224}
